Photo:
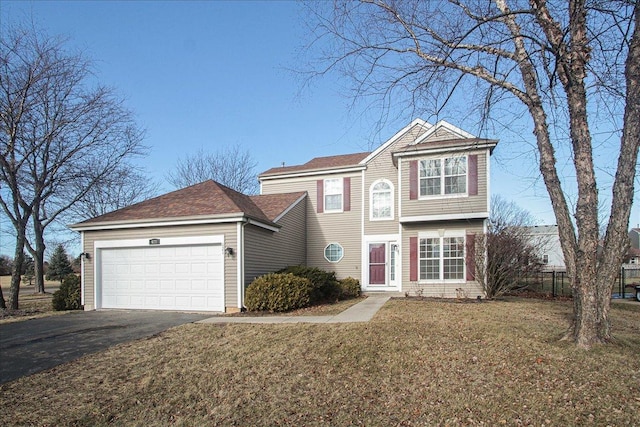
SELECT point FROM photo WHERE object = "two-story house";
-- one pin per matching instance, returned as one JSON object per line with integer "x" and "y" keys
{"x": 402, "y": 218}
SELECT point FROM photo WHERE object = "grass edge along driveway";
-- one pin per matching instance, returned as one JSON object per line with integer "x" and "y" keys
{"x": 418, "y": 362}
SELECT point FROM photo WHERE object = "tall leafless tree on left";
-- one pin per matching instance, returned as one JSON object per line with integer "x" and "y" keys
{"x": 61, "y": 134}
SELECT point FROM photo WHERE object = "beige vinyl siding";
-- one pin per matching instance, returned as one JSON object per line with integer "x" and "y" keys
{"x": 439, "y": 290}
{"x": 266, "y": 251}
{"x": 442, "y": 134}
{"x": 230, "y": 264}
{"x": 445, "y": 205}
{"x": 325, "y": 228}
{"x": 381, "y": 167}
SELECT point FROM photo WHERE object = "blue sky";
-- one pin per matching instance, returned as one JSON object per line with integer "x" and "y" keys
{"x": 211, "y": 74}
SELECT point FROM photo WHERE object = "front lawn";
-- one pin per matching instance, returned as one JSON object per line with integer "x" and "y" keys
{"x": 30, "y": 305}
{"x": 418, "y": 362}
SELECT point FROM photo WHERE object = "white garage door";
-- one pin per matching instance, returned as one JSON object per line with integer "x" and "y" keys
{"x": 163, "y": 278}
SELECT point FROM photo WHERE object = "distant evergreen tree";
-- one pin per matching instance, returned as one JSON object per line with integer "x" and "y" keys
{"x": 29, "y": 269}
{"x": 6, "y": 264}
{"x": 59, "y": 265}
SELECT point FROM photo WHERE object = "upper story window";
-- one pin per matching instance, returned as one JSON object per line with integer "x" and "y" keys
{"x": 445, "y": 176}
{"x": 381, "y": 200}
{"x": 333, "y": 195}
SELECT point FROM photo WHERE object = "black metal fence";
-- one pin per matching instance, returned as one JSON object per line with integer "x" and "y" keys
{"x": 628, "y": 279}
{"x": 556, "y": 283}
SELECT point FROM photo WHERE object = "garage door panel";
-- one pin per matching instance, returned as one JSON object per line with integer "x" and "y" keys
{"x": 171, "y": 278}
{"x": 183, "y": 268}
{"x": 167, "y": 268}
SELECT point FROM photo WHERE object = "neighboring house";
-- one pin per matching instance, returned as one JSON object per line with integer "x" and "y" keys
{"x": 632, "y": 257}
{"x": 634, "y": 236}
{"x": 402, "y": 218}
{"x": 546, "y": 239}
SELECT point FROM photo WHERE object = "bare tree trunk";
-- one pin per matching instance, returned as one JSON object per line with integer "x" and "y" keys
{"x": 37, "y": 253}
{"x": 3, "y": 304}
{"x": 616, "y": 240}
{"x": 18, "y": 260}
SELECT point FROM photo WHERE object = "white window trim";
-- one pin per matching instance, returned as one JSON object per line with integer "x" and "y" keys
{"x": 325, "y": 194}
{"x": 392, "y": 200}
{"x": 442, "y": 180}
{"x": 324, "y": 252}
{"x": 441, "y": 234}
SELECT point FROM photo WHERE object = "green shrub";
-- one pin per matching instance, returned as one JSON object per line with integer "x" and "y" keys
{"x": 278, "y": 292}
{"x": 349, "y": 288}
{"x": 325, "y": 286}
{"x": 68, "y": 296}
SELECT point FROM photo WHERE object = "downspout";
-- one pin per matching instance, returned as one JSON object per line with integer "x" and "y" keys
{"x": 240, "y": 262}
{"x": 82, "y": 257}
{"x": 363, "y": 208}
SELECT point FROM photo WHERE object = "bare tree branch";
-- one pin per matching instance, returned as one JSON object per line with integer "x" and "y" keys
{"x": 231, "y": 166}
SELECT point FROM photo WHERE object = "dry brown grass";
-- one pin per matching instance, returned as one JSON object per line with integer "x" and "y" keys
{"x": 417, "y": 363}
{"x": 31, "y": 305}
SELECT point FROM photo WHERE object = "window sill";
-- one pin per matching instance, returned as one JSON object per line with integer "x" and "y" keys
{"x": 444, "y": 196}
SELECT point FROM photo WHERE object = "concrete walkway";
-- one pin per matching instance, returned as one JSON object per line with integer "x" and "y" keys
{"x": 361, "y": 312}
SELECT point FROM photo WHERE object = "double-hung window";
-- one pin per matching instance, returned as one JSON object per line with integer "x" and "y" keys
{"x": 442, "y": 257}
{"x": 333, "y": 195}
{"x": 444, "y": 176}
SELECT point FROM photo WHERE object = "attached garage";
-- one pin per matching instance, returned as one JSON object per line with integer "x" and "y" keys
{"x": 186, "y": 250}
{"x": 188, "y": 276}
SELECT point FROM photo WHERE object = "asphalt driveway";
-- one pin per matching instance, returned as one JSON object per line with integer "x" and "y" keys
{"x": 34, "y": 345}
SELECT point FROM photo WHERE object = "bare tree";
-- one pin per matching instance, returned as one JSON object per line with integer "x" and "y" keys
{"x": 60, "y": 135}
{"x": 565, "y": 63}
{"x": 232, "y": 166}
{"x": 124, "y": 186}
{"x": 506, "y": 252}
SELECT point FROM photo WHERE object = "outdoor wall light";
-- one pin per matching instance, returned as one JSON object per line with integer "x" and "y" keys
{"x": 85, "y": 255}
{"x": 228, "y": 251}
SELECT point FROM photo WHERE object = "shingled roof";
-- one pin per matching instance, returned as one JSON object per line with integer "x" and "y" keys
{"x": 207, "y": 199}
{"x": 320, "y": 163}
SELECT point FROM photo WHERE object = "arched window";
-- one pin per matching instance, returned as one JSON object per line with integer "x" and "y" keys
{"x": 381, "y": 200}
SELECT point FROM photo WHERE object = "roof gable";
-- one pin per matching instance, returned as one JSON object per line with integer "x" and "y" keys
{"x": 443, "y": 130}
{"x": 416, "y": 126}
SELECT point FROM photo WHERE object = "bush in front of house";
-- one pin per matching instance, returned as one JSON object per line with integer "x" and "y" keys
{"x": 278, "y": 292}
{"x": 68, "y": 296}
{"x": 350, "y": 288}
{"x": 325, "y": 285}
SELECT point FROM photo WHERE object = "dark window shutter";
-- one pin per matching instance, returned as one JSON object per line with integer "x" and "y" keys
{"x": 346, "y": 194}
{"x": 413, "y": 180}
{"x": 471, "y": 257}
{"x": 413, "y": 259}
{"x": 473, "y": 174}
{"x": 320, "y": 207}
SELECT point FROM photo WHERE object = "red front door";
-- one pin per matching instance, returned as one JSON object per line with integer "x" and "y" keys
{"x": 377, "y": 264}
